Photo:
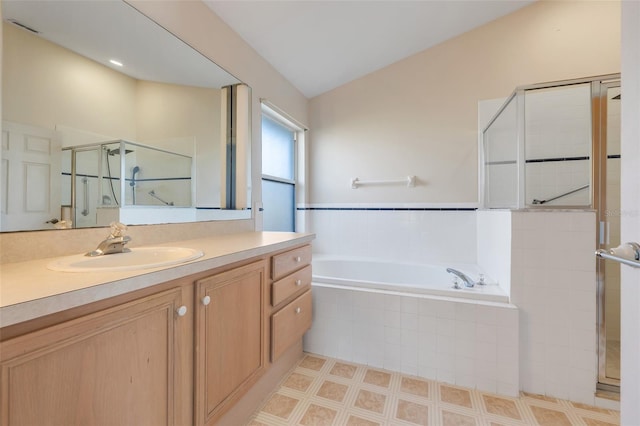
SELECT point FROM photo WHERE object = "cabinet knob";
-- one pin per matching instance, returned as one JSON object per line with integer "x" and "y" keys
{"x": 298, "y": 282}
{"x": 181, "y": 311}
{"x": 206, "y": 300}
{"x": 298, "y": 259}
{"x": 298, "y": 310}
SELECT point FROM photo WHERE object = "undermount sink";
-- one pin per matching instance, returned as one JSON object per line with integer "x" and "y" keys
{"x": 134, "y": 259}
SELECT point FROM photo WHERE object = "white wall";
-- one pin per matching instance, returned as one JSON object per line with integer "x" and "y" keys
{"x": 418, "y": 116}
{"x": 35, "y": 84}
{"x": 630, "y": 207}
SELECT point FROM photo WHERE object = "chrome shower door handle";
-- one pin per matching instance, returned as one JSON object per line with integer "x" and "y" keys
{"x": 627, "y": 253}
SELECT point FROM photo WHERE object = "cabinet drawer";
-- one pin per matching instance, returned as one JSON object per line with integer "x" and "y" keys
{"x": 292, "y": 260}
{"x": 289, "y": 285}
{"x": 289, "y": 324}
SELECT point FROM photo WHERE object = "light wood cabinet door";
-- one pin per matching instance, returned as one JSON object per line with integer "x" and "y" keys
{"x": 289, "y": 324}
{"x": 113, "y": 367}
{"x": 231, "y": 351}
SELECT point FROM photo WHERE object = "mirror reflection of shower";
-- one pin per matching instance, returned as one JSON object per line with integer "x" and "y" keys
{"x": 97, "y": 178}
{"x": 111, "y": 153}
{"x": 132, "y": 184}
{"x": 166, "y": 203}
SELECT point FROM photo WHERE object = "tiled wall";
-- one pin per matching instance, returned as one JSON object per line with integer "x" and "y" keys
{"x": 554, "y": 286}
{"x": 470, "y": 344}
{"x": 494, "y": 246}
{"x": 426, "y": 236}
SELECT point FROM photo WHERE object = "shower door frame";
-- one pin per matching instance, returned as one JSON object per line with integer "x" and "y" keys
{"x": 74, "y": 185}
{"x": 599, "y": 92}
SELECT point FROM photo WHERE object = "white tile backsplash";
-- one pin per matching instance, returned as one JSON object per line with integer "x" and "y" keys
{"x": 408, "y": 236}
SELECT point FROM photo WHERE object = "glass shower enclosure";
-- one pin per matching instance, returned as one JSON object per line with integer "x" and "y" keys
{"x": 100, "y": 178}
{"x": 557, "y": 145}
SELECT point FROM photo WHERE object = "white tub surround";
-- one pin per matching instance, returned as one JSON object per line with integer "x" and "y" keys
{"x": 544, "y": 260}
{"x": 30, "y": 290}
{"x": 553, "y": 282}
{"x": 468, "y": 343}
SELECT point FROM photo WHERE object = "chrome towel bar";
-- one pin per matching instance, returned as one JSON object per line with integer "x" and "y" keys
{"x": 410, "y": 181}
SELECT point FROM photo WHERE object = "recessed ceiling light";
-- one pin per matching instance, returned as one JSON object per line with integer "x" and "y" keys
{"x": 114, "y": 62}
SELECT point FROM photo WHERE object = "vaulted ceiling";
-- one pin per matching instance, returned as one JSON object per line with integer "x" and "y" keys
{"x": 319, "y": 45}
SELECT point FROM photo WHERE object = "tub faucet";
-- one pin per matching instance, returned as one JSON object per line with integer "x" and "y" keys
{"x": 468, "y": 282}
{"x": 114, "y": 243}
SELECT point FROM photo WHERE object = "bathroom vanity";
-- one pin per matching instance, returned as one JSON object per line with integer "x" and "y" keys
{"x": 198, "y": 343}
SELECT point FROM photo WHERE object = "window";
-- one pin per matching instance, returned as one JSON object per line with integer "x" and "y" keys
{"x": 278, "y": 174}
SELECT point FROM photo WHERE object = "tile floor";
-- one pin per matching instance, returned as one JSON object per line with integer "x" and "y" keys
{"x": 326, "y": 391}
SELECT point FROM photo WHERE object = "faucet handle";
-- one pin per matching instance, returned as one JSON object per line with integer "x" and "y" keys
{"x": 456, "y": 283}
{"x": 117, "y": 229}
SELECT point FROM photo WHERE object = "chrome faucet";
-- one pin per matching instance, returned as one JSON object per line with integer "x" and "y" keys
{"x": 114, "y": 243}
{"x": 468, "y": 282}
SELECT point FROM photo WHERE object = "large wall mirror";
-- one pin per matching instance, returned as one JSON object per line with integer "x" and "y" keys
{"x": 107, "y": 116}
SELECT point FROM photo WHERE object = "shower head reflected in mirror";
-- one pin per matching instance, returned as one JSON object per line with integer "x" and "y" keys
{"x": 117, "y": 151}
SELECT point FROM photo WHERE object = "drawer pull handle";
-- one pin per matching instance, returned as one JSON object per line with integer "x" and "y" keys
{"x": 298, "y": 282}
{"x": 298, "y": 310}
{"x": 298, "y": 259}
{"x": 181, "y": 311}
{"x": 206, "y": 300}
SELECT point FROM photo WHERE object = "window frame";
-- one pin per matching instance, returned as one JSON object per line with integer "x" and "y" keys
{"x": 272, "y": 113}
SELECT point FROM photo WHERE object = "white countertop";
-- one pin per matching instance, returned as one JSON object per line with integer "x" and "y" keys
{"x": 29, "y": 290}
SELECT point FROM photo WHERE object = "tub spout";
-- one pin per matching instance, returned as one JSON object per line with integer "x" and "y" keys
{"x": 468, "y": 282}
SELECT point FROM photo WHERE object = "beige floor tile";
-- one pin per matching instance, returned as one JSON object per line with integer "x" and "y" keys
{"x": 501, "y": 407}
{"x": 298, "y": 382}
{"x": 378, "y": 378}
{"x": 325, "y": 391}
{"x": 317, "y": 415}
{"x": 549, "y": 417}
{"x": 359, "y": 421}
{"x": 312, "y": 362}
{"x": 593, "y": 422}
{"x": 590, "y": 408}
{"x": 333, "y": 391}
{"x": 456, "y": 419}
{"x": 412, "y": 412}
{"x": 343, "y": 370}
{"x": 456, "y": 396}
{"x": 280, "y": 406}
{"x": 415, "y": 386}
{"x": 371, "y": 401}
